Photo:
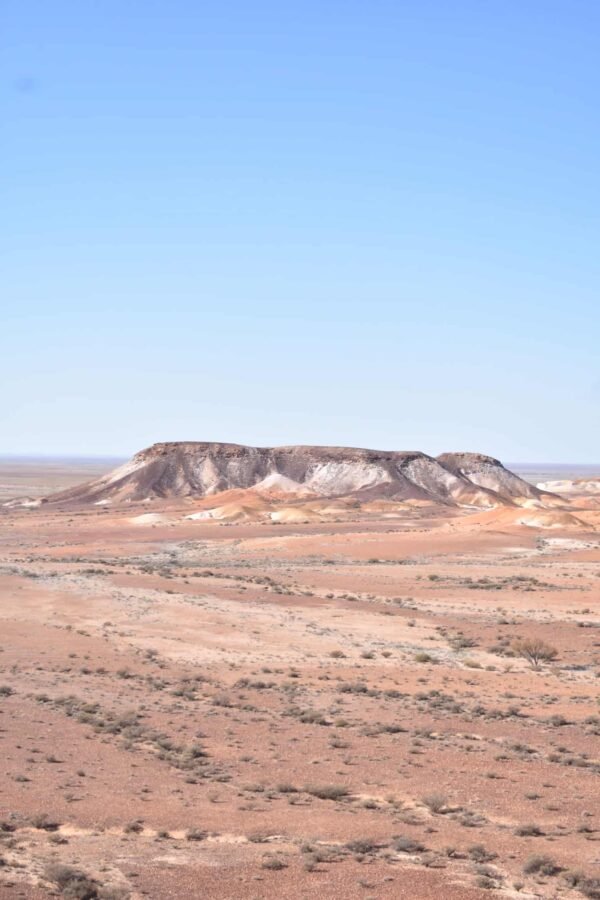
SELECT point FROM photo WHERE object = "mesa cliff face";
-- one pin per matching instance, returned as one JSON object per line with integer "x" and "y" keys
{"x": 199, "y": 469}
{"x": 487, "y": 472}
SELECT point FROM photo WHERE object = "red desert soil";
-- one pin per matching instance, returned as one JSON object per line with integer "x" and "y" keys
{"x": 333, "y": 709}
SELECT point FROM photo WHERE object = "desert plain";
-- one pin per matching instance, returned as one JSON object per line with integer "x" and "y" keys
{"x": 310, "y": 706}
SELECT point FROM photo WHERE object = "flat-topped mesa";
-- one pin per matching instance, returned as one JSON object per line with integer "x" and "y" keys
{"x": 200, "y": 468}
{"x": 237, "y": 451}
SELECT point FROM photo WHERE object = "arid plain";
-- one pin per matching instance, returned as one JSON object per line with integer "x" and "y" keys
{"x": 333, "y": 702}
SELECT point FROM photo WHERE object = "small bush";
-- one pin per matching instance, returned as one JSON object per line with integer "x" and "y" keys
{"x": 327, "y": 791}
{"x": 362, "y": 846}
{"x": 558, "y": 721}
{"x": 72, "y": 883}
{"x": 542, "y": 865}
{"x": 529, "y": 830}
{"x": 405, "y": 844}
{"x": 535, "y": 651}
{"x": 43, "y": 822}
{"x": 590, "y": 888}
{"x": 353, "y": 687}
{"x": 435, "y": 803}
{"x": 478, "y": 853}
{"x": 196, "y": 834}
{"x": 286, "y": 788}
{"x": 274, "y": 863}
{"x": 259, "y": 837}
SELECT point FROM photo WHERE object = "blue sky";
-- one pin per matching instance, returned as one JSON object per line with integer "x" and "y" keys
{"x": 317, "y": 222}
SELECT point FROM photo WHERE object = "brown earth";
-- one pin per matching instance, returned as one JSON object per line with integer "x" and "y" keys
{"x": 330, "y": 707}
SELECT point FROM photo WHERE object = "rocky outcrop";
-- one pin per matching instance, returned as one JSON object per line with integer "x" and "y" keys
{"x": 489, "y": 473}
{"x": 198, "y": 469}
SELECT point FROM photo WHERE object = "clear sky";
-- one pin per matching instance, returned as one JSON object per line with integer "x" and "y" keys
{"x": 330, "y": 222}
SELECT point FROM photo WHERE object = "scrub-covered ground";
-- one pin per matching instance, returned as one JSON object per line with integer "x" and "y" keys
{"x": 332, "y": 710}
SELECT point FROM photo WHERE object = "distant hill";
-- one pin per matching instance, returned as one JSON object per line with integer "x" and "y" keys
{"x": 199, "y": 469}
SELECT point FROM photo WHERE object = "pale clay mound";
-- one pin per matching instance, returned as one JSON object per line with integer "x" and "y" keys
{"x": 554, "y": 519}
{"x": 543, "y": 519}
{"x": 229, "y": 512}
{"x": 571, "y": 486}
{"x": 240, "y": 512}
{"x": 22, "y": 503}
{"x": 276, "y": 483}
{"x": 199, "y": 470}
{"x": 149, "y": 519}
{"x": 296, "y": 514}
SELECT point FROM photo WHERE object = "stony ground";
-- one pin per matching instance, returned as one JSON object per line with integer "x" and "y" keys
{"x": 332, "y": 711}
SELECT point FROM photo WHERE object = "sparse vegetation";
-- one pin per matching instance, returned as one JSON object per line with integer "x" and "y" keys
{"x": 284, "y": 711}
{"x": 327, "y": 791}
{"x": 435, "y": 803}
{"x": 72, "y": 883}
{"x": 535, "y": 651}
{"x": 542, "y": 865}
{"x": 529, "y": 830}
